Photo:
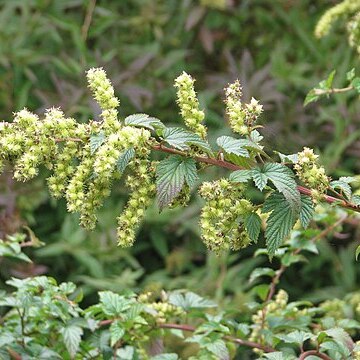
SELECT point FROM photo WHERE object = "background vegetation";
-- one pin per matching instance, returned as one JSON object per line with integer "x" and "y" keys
{"x": 45, "y": 48}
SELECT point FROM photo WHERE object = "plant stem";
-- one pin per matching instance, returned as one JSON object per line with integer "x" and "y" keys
{"x": 305, "y": 354}
{"x": 235, "y": 340}
{"x": 333, "y": 90}
{"x": 230, "y": 166}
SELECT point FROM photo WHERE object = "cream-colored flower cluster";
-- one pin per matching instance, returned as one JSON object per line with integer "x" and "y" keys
{"x": 310, "y": 173}
{"x": 221, "y": 228}
{"x": 242, "y": 117}
{"x": 189, "y": 104}
{"x": 348, "y": 11}
{"x": 81, "y": 173}
{"x": 142, "y": 186}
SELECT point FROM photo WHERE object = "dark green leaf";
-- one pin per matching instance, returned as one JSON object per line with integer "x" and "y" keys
{"x": 182, "y": 139}
{"x": 280, "y": 222}
{"x": 261, "y": 272}
{"x": 253, "y": 226}
{"x": 307, "y": 211}
{"x": 144, "y": 120}
{"x": 171, "y": 175}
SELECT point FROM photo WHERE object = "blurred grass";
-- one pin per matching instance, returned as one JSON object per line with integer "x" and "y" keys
{"x": 45, "y": 48}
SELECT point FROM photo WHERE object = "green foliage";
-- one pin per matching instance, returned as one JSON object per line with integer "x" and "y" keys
{"x": 47, "y": 47}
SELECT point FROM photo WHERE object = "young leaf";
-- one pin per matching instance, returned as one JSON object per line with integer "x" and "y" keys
{"x": 280, "y": 222}
{"x": 144, "y": 120}
{"x": 357, "y": 252}
{"x": 96, "y": 141}
{"x": 124, "y": 159}
{"x": 72, "y": 338}
{"x": 182, "y": 139}
{"x": 171, "y": 174}
{"x": 311, "y": 97}
{"x": 307, "y": 211}
{"x": 253, "y": 226}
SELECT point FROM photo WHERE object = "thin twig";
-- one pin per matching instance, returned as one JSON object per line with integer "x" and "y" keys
{"x": 305, "y": 354}
{"x": 333, "y": 90}
{"x": 88, "y": 18}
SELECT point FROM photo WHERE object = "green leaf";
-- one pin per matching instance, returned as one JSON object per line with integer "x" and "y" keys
{"x": 240, "y": 176}
{"x": 113, "y": 304}
{"x": 293, "y": 158}
{"x": 357, "y": 252}
{"x": 278, "y": 355}
{"x": 311, "y": 97}
{"x": 350, "y": 74}
{"x": 356, "y": 84}
{"x": 282, "y": 178}
{"x": 171, "y": 175}
{"x": 182, "y": 139}
{"x": 218, "y": 347}
{"x": 96, "y": 141}
{"x": 144, "y": 120}
{"x": 280, "y": 222}
{"x": 116, "y": 332}
{"x": 189, "y": 300}
{"x": 307, "y": 211}
{"x": 232, "y": 146}
{"x": 72, "y": 338}
{"x": 253, "y": 226}
{"x": 327, "y": 83}
{"x": 258, "y": 272}
{"x": 124, "y": 159}
{"x": 343, "y": 186}
{"x": 297, "y": 337}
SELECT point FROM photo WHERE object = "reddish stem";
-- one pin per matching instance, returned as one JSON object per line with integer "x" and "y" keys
{"x": 305, "y": 354}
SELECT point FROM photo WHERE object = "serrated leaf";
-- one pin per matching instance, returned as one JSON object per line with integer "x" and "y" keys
{"x": 116, "y": 332}
{"x": 144, "y": 120}
{"x": 307, "y": 211}
{"x": 171, "y": 174}
{"x": 343, "y": 186}
{"x": 253, "y": 226}
{"x": 297, "y": 337}
{"x": 282, "y": 178}
{"x": 232, "y": 146}
{"x": 96, "y": 141}
{"x": 189, "y": 300}
{"x": 258, "y": 272}
{"x": 182, "y": 139}
{"x": 72, "y": 338}
{"x": 113, "y": 304}
{"x": 240, "y": 176}
{"x": 124, "y": 159}
{"x": 280, "y": 222}
{"x": 218, "y": 347}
